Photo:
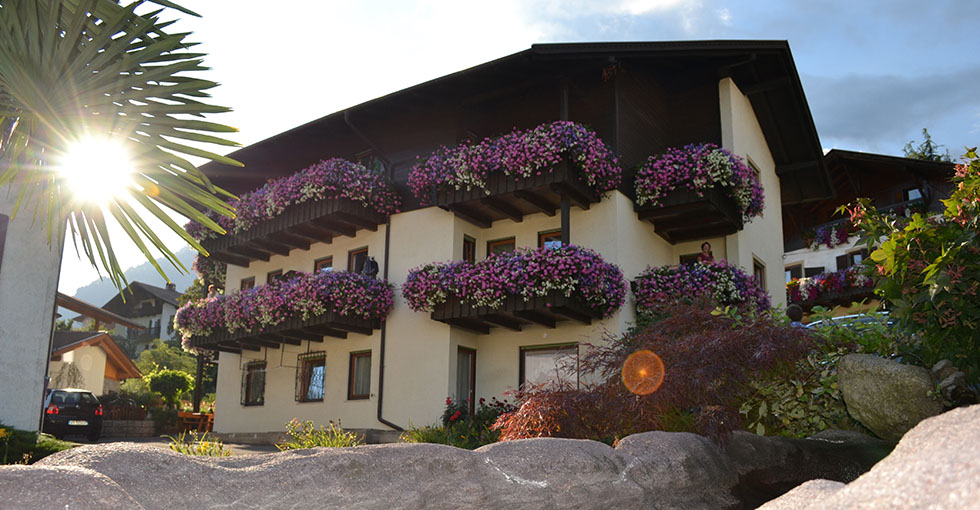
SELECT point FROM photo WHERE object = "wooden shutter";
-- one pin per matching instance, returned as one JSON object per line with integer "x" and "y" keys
{"x": 843, "y": 261}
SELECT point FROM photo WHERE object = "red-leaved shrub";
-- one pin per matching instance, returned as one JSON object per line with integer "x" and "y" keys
{"x": 709, "y": 359}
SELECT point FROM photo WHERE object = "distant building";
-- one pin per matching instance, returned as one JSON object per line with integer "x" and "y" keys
{"x": 97, "y": 363}
{"x": 149, "y": 306}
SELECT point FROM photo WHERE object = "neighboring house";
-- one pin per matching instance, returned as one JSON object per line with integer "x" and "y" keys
{"x": 28, "y": 282}
{"x": 149, "y": 306}
{"x": 819, "y": 242}
{"x": 89, "y": 360}
{"x": 641, "y": 98}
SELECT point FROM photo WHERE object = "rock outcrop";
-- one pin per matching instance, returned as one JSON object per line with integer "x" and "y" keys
{"x": 886, "y": 396}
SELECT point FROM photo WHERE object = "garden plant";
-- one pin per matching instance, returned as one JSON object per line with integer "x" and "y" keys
{"x": 305, "y": 434}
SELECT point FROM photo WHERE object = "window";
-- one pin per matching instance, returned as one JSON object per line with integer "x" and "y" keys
{"x": 253, "y": 384}
{"x": 359, "y": 379}
{"x": 549, "y": 239}
{"x": 759, "y": 272}
{"x": 356, "y": 258}
{"x": 248, "y": 283}
{"x": 912, "y": 194}
{"x": 853, "y": 258}
{"x": 310, "y": 369}
{"x": 794, "y": 272}
{"x": 324, "y": 264}
{"x": 469, "y": 249}
{"x": 689, "y": 259}
{"x": 466, "y": 377}
{"x": 812, "y": 271}
{"x": 368, "y": 160}
{"x": 549, "y": 363}
{"x": 500, "y": 246}
{"x": 272, "y": 276}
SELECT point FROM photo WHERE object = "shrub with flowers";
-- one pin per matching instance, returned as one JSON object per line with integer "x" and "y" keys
{"x": 698, "y": 167}
{"x": 211, "y": 271}
{"x": 330, "y": 178}
{"x": 574, "y": 271}
{"x": 459, "y": 428}
{"x": 657, "y": 288}
{"x": 518, "y": 154}
{"x": 304, "y": 295}
{"x": 811, "y": 289}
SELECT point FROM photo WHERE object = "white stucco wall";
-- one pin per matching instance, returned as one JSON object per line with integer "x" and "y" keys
{"x": 28, "y": 282}
{"x": 90, "y": 361}
{"x": 821, "y": 257}
{"x": 762, "y": 238}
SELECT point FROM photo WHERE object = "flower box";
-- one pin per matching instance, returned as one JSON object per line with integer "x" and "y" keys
{"x": 831, "y": 288}
{"x": 659, "y": 288}
{"x": 291, "y": 331}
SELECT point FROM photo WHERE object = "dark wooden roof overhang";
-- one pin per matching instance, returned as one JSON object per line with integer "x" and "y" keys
{"x": 298, "y": 227}
{"x": 685, "y": 216}
{"x": 292, "y": 331}
{"x": 514, "y": 314}
{"x": 763, "y": 70}
{"x": 83, "y": 308}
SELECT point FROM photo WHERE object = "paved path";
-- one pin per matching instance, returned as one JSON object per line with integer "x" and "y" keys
{"x": 163, "y": 442}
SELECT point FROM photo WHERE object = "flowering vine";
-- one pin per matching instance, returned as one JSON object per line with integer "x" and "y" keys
{"x": 574, "y": 271}
{"x": 810, "y": 289}
{"x": 518, "y": 154}
{"x": 698, "y": 167}
{"x": 726, "y": 284}
{"x": 303, "y": 295}
{"x": 330, "y": 178}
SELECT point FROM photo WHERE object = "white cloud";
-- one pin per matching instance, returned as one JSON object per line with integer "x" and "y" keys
{"x": 639, "y": 7}
{"x": 725, "y": 16}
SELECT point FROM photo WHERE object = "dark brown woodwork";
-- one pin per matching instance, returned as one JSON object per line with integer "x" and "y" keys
{"x": 503, "y": 320}
{"x": 470, "y": 324}
{"x": 271, "y": 246}
{"x": 336, "y": 227}
{"x": 290, "y": 331}
{"x": 302, "y": 335}
{"x": 539, "y": 203}
{"x": 312, "y": 232}
{"x": 229, "y": 258}
{"x": 467, "y": 214}
{"x": 684, "y": 216}
{"x": 292, "y": 240}
{"x": 503, "y": 208}
{"x": 537, "y": 317}
{"x": 251, "y": 253}
{"x": 325, "y": 331}
{"x": 514, "y": 313}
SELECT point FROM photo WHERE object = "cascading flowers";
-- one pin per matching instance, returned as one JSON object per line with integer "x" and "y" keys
{"x": 330, "y": 178}
{"x": 518, "y": 154}
{"x": 723, "y": 283}
{"x": 810, "y": 289}
{"x": 698, "y": 167}
{"x": 574, "y": 271}
{"x": 303, "y": 295}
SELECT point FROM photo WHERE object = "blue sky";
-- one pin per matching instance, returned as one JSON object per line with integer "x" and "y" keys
{"x": 875, "y": 73}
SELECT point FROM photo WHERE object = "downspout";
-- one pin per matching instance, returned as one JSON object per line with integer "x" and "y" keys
{"x": 384, "y": 321}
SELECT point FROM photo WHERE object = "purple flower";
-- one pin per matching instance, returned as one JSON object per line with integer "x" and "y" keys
{"x": 659, "y": 287}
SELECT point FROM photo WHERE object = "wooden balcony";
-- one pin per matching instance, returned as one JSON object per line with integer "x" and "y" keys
{"x": 515, "y": 198}
{"x": 298, "y": 227}
{"x": 514, "y": 314}
{"x": 291, "y": 331}
{"x": 684, "y": 216}
{"x": 843, "y": 298}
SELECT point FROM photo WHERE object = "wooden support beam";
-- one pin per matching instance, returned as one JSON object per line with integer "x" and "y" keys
{"x": 677, "y": 236}
{"x": 246, "y": 346}
{"x": 325, "y": 331}
{"x": 574, "y": 315}
{"x": 302, "y": 335}
{"x": 291, "y": 240}
{"x": 354, "y": 219}
{"x": 503, "y": 208}
{"x": 536, "y": 317}
{"x": 539, "y": 202}
{"x": 694, "y": 221}
{"x": 577, "y": 197}
{"x": 765, "y": 86}
{"x": 470, "y": 324}
{"x": 230, "y": 258}
{"x": 256, "y": 341}
{"x": 270, "y": 246}
{"x": 279, "y": 338}
{"x": 312, "y": 232}
{"x": 470, "y": 216}
{"x": 334, "y": 226}
{"x": 361, "y": 330}
{"x": 226, "y": 348}
{"x": 503, "y": 320}
{"x": 250, "y": 253}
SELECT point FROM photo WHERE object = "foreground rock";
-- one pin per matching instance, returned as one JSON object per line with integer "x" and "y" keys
{"x": 936, "y": 465}
{"x": 886, "y": 396}
{"x": 61, "y": 488}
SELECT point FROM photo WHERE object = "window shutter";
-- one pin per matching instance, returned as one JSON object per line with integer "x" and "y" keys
{"x": 842, "y": 262}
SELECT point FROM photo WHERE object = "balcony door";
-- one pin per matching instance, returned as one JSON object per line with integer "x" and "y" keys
{"x": 466, "y": 377}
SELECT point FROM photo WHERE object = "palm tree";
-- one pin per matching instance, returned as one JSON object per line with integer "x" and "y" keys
{"x": 77, "y": 69}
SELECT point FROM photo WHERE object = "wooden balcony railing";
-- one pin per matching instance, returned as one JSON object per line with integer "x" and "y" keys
{"x": 298, "y": 227}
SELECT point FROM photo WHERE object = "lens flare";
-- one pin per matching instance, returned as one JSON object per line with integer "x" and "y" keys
{"x": 96, "y": 170}
{"x": 643, "y": 372}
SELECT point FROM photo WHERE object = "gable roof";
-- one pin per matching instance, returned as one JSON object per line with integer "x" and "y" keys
{"x": 87, "y": 310}
{"x": 136, "y": 292}
{"x": 121, "y": 367}
{"x": 763, "y": 70}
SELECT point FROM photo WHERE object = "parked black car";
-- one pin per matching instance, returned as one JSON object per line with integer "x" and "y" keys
{"x": 73, "y": 412}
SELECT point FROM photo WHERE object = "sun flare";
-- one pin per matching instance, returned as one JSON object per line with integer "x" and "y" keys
{"x": 96, "y": 170}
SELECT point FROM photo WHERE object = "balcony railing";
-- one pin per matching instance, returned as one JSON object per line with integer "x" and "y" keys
{"x": 684, "y": 216}
{"x": 298, "y": 227}
{"x": 149, "y": 333}
{"x": 303, "y": 307}
{"x": 830, "y": 289}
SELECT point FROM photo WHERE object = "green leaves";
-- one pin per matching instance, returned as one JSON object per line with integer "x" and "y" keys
{"x": 74, "y": 69}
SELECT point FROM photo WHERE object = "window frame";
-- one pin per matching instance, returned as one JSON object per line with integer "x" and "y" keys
{"x": 469, "y": 244}
{"x": 272, "y": 275}
{"x": 472, "y": 379}
{"x": 546, "y": 347}
{"x": 544, "y": 235}
{"x": 503, "y": 241}
{"x": 248, "y": 373}
{"x": 789, "y": 269}
{"x": 305, "y": 365}
{"x": 688, "y": 259}
{"x": 758, "y": 267}
{"x": 351, "y": 258}
{"x": 907, "y": 195}
{"x": 247, "y": 283}
{"x": 319, "y": 266}
{"x": 352, "y": 374}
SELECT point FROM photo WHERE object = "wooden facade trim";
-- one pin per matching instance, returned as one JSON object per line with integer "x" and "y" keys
{"x": 684, "y": 216}
{"x": 292, "y": 331}
{"x": 297, "y": 227}
{"x": 514, "y": 313}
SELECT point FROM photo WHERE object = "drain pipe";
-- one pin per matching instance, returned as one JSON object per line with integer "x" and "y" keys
{"x": 384, "y": 322}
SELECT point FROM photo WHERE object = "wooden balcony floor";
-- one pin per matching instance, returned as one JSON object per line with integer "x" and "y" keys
{"x": 684, "y": 216}
{"x": 514, "y": 314}
{"x": 291, "y": 331}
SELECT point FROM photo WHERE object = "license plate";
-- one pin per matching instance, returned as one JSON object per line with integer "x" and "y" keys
{"x": 77, "y": 422}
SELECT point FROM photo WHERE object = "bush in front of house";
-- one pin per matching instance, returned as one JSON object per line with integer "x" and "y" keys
{"x": 23, "y": 447}
{"x": 658, "y": 289}
{"x": 710, "y": 360}
{"x": 518, "y": 154}
{"x": 203, "y": 446}
{"x": 305, "y": 434}
{"x": 459, "y": 428}
{"x": 573, "y": 271}
{"x": 170, "y": 384}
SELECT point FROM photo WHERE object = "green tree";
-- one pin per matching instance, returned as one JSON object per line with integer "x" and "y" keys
{"x": 927, "y": 150}
{"x": 72, "y": 69}
{"x": 170, "y": 384}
